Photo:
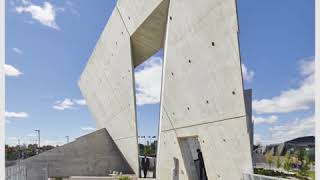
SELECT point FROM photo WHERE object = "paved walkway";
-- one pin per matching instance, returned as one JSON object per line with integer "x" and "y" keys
{"x": 149, "y": 175}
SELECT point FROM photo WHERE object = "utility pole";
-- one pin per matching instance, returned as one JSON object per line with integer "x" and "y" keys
{"x": 67, "y": 139}
{"x": 38, "y": 131}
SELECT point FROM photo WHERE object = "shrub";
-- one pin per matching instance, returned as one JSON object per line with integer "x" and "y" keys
{"x": 269, "y": 159}
{"x": 287, "y": 162}
{"x": 278, "y": 162}
{"x": 124, "y": 178}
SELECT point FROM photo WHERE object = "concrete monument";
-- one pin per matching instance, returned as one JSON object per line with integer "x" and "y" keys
{"x": 202, "y": 98}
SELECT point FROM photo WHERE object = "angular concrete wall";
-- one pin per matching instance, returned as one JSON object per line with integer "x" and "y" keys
{"x": 94, "y": 154}
{"x": 107, "y": 84}
{"x": 202, "y": 91}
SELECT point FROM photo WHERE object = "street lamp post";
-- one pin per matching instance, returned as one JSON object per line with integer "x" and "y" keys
{"x": 38, "y": 131}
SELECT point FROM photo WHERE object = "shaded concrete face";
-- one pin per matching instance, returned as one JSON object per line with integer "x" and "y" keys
{"x": 248, "y": 104}
{"x": 146, "y": 22}
{"x": 202, "y": 90}
{"x": 94, "y": 154}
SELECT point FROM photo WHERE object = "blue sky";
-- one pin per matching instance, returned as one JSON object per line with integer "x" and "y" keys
{"x": 49, "y": 42}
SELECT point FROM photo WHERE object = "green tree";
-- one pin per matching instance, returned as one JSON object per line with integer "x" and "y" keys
{"x": 301, "y": 155}
{"x": 278, "y": 162}
{"x": 287, "y": 162}
{"x": 141, "y": 149}
{"x": 305, "y": 167}
{"x": 269, "y": 158}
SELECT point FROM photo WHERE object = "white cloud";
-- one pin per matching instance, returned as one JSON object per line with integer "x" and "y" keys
{"x": 13, "y": 138}
{"x": 287, "y": 131}
{"x": 293, "y": 129}
{"x": 68, "y": 103}
{"x": 52, "y": 142}
{"x": 247, "y": 74}
{"x": 12, "y": 141}
{"x": 307, "y": 66}
{"x": 17, "y": 50}
{"x": 16, "y": 114}
{"x": 70, "y": 6}
{"x": 31, "y": 135}
{"x": 11, "y": 71}
{"x": 295, "y": 99}
{"x": 80, "y": 101}
{"x": 65, "y": 104}
{"x": 148, "y": 82}
{"x": 33, "y": 139}
{"x": 45, "y": 14}
{"x": 265, "y": 120}
{"x": 257, "y": 139}
{"x": 88, "y": 128}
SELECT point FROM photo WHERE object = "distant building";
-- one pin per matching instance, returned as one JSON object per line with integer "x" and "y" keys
{"x": 306, "y": 143}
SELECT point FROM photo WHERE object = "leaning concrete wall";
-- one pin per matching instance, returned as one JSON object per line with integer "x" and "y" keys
{"x": 107, "y": 85}
{"x": 202, "y": 90}
{"x": 134, "y": 32}
{"x": 94, "y": 154}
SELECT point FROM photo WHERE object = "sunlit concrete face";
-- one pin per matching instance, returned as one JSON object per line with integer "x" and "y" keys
{"x": 202, "y": 91}
{"x": 133, "y": 33}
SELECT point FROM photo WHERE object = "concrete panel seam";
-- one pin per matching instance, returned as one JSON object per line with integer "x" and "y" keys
{"x": 123, "y": 21}
{"x": 212, "y": 122}
{"x": 168, "y": 117}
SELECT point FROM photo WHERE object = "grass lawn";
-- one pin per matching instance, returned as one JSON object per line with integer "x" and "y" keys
{"x": 311, "y": 174}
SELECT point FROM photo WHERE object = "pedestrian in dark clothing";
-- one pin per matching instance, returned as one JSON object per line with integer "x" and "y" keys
{"x": 202, "y": 169}
{"x": 145, "y": 165}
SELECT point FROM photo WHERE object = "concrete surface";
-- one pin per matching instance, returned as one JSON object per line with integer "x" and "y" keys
{"x": 202, "y": 91}
{"x": 107, "y": 85}
{"x": 94, "y": 154}
{"x": 134, "y": 32}
{"x": 146, "y": 23}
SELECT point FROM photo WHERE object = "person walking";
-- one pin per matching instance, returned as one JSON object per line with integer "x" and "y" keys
{"x": 145, "y": 165}
{"x": 202, "y": 169}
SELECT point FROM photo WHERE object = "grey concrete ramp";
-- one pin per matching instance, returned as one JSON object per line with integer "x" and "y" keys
{"x": 94, "y": 154}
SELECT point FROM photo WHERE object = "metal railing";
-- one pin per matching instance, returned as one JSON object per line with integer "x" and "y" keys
{"x": 16, "y": 172}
